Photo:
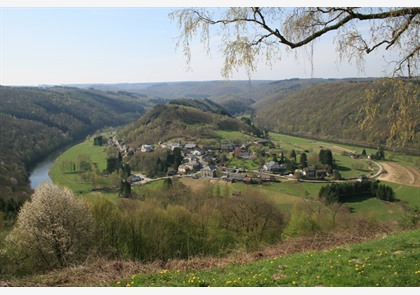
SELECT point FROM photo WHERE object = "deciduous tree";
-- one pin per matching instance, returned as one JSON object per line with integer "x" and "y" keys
{"x": 253, "y": 35}
{"x": 53, "y": 229}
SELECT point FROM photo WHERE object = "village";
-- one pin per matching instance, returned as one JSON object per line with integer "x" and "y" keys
{"x": 204, "y": 162}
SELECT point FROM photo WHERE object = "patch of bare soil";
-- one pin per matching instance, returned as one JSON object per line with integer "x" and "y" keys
{"x": 400, "y": 174}
{"x": 99, "y": 272}
{"x": 341, "y": 149}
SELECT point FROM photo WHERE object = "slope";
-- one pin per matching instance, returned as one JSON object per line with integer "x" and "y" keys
{"x": 327, "y": 111}
{"x": 174, "y": 122}
{"x": 36, "y": 121}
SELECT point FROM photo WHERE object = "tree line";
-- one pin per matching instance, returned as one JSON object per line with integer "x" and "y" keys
{"x": 347, "y": 192}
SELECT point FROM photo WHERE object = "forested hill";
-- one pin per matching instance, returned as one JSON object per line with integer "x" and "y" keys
{"x": 234, "y": 96}
{"x": 328, "y": 111}
{"x": 171, "y": 122}
{"x": 36, "y": 121}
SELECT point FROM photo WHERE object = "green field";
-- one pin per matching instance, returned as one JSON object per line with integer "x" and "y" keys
{"x": 390, "y": 262}
{"x": 72, "y": 180}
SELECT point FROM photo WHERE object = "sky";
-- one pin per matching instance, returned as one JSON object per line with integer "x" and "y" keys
{"x": 52, "y": 45}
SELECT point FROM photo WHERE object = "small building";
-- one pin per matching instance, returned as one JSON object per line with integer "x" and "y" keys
{"x": 321, "y": 173}
{"x": 190, "y": 146}
{"x": 193, "y": 166}
{"x": 173, "y": 146}
{"x": 235, "y": 177}
{"x": 262, "y": 142}
{"x": 197, "y": 152}
{"x": 309, "y": 172}
{"x": 227, "y": 147}
{"x": 271, "y": 166}
{"x": 208, "y": 172}
{"x": 183, "y": 169}
{"x": 252, "y": 179}
{"x": 362, "y": 178}
{"x": 145, "y": 148}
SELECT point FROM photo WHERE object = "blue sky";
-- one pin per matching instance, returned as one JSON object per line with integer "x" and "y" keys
{"x": 128, "y": 45}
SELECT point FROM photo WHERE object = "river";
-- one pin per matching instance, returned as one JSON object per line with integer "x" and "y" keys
{"x": 39, "y": 173}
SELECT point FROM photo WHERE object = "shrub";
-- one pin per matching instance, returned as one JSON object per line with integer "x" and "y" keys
{"x": 301, "y": 222}
{"x": 53, "y": 229}
{"x": 253, "y": 219}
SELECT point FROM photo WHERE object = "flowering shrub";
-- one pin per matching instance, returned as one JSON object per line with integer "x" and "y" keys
{"x": 53, "y": 229}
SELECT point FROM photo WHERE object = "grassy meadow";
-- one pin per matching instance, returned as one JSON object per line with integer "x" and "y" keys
{"x": 72, "y": 180}
{"x": 393, "y": 261}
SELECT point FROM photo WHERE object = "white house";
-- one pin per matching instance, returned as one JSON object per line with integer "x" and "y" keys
{"x": 146, "y": 148}
{"x": 197, "y": 153}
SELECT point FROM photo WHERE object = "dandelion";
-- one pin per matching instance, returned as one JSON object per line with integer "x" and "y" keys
{"x": 118, "y": 283}
{"x": 317, "y": 277}
{"x": 128, "y": 285}
{"x": 294, "y": 283}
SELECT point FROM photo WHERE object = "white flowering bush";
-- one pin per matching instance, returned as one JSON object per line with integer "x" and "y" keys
{"x": 53, "y": 229}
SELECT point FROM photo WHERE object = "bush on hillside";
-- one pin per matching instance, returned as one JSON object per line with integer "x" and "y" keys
{"x": 53, "y": 229}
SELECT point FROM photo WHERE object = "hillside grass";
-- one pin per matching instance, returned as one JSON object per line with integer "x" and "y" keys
{"x": 72, "y": 181}
{"x": 393, "y": 261}
{"x": 287, "y": 194}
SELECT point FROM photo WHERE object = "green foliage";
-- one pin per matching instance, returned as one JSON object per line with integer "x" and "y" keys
{"x": 253, "y": 219}
{"x": 301, "y": 222}
{"x": 99, "y": 140}
{"x": 303, "y": 160}
{"x": 171, "y": 221}
{"x": 326, "y": 157}
{"x": 347, "y": 192}
{"x": 125, "y": 189}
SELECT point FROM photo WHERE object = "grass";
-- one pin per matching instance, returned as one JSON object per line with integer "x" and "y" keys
{"x": 390, "y": 262}
{"x": 287, "y": 194}
{"x": 98, "y": 157}
{"x": 406, "y": 193}
{"x": 243, "y": 164}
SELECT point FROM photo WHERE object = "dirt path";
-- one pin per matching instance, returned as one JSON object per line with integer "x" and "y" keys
{"x": 400, "y": 174}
